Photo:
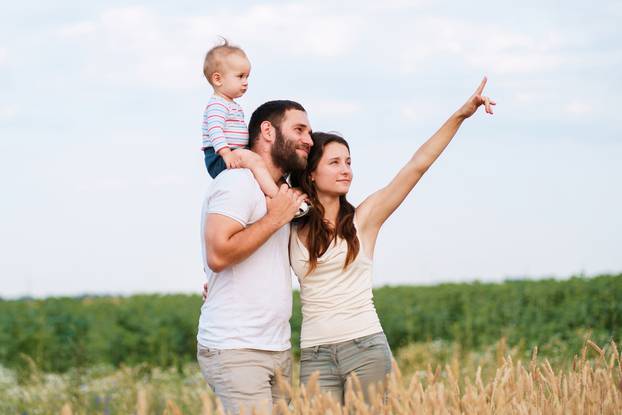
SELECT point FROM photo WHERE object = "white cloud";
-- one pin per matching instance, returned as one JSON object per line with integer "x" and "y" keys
{"x": 489, "y": 47}
{"x": 168, "y": 181}
{"x": 4, "y": 56}
{"x": 578, "y": 108}
{"x": 138, "y": 46}
{"x": 332, "y": 107}
{"x": 297, "y": 29}
{"x": 104, "y": 184}
{"x": 524, "y": 97}
{"x": 416, "y": 112}
{"x": 8, "y": 112}
{"x": 77, "y": 30}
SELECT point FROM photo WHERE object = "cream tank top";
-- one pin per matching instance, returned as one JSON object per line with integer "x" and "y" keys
{"x": 337, "y": 304}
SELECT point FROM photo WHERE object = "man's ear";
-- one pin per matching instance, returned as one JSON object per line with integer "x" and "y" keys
{"x": 267, "y": 131}
{"x": 216, "y": 79}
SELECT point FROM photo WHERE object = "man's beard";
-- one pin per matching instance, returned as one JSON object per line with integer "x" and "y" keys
{"x": 284, "y": 154}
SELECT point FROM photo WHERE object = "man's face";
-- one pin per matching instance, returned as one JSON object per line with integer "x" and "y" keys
{"x": 292, "y": 142}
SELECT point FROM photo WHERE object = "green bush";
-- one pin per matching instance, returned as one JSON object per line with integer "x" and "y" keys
{"x": 57, "y": 334}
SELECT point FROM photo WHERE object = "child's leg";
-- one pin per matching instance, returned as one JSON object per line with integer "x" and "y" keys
{"x": 214, "y": 163}
{"x": 254, "y": 162}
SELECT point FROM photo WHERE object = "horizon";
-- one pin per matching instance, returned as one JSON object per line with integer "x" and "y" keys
{"x": 296, "y": 288}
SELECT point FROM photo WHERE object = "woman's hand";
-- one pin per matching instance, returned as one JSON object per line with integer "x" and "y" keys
{"x": 475, "y": 101}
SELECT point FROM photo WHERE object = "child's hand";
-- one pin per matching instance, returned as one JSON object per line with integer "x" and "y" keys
{"x": 232, "y": 160}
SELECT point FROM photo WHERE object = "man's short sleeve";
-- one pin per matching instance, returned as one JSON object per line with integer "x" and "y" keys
{"x": 233, "y": 194}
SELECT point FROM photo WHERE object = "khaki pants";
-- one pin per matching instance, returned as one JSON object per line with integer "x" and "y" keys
{"x": 245, "y": 378}
{"x": 369, "y": 357}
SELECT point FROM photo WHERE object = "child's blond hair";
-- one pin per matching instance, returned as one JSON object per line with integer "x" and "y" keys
{"x": 215, "y": 57}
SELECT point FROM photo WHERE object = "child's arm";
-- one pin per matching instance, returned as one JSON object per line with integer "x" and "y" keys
{"x": 249, "y": 160}
{"x": 231, "y": 158}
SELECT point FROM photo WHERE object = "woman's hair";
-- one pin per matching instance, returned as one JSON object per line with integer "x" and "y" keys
{"x": 321, "y": 234}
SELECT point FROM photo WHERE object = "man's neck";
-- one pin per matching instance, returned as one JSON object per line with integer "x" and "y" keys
{"x": 276, "y": 172}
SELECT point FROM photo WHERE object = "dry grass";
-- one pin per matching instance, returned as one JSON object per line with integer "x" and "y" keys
{"x": 590, "y": 385}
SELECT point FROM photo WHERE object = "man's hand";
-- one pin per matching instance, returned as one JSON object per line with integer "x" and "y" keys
{"x": 232, "y": 160}
{"x": 475, "y": 101}
{"x": 284, "y": 205}
{"x": 204, "y": 291}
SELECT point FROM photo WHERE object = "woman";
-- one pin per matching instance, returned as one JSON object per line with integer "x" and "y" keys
{"x": 331, "y": 252}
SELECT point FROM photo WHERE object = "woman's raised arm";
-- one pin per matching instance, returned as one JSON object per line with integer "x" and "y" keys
{"x": 375, "y": 210}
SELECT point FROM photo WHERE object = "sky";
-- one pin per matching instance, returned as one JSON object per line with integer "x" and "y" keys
{"x": 100, "y": 115}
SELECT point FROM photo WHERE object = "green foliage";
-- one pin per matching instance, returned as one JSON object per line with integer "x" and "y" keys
{"x": 57, "y": 334}
{"x": 475, "y": 315}
{"x": 62, "y": 333}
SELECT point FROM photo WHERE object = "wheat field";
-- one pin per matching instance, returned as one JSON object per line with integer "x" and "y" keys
{"x": 499, "y": 384}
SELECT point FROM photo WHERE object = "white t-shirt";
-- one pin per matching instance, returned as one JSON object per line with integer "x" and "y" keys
{"x": 248, "y": 304}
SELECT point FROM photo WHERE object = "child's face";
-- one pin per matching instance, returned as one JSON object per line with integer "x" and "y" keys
{"x": 233, "y": 80}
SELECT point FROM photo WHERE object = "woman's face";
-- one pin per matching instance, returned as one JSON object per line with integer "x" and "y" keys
{"x": 333, "y": 173}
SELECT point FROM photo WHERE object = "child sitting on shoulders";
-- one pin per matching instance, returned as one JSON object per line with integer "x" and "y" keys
{"x": 225, "y": 134}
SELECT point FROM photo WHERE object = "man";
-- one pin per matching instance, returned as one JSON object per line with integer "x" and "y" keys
{"x": 244, "y": 332}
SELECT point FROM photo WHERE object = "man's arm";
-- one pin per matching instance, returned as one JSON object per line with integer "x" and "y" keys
{"x": 228, "y": 242}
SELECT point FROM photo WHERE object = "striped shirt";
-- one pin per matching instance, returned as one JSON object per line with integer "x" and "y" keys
{"x": 223, "y": 125}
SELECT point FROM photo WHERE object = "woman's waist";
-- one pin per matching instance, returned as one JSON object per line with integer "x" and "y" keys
{"x": 323, "y": 306}
{"x": 334, "y": 328}
{"x": 338, "y": 320}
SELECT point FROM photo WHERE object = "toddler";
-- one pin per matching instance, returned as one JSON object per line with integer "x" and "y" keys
{"x": 225, "y": 134}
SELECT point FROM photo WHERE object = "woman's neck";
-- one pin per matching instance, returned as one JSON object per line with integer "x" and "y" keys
{"x": 331, "y": 204}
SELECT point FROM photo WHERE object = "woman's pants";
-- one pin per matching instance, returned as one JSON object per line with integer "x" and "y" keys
{"x": 369, "y": 357}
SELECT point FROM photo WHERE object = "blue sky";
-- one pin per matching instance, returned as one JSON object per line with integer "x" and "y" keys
{"x": 100, "y": 112}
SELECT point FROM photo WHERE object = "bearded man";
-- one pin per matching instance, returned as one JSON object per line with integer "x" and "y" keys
{"x": 244, "y": 333}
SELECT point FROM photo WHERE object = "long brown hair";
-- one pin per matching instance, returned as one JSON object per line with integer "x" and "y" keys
{"x": 321, "y": 234}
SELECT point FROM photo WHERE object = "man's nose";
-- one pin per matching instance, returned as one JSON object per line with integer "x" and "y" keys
{"x": 307, "y": 139}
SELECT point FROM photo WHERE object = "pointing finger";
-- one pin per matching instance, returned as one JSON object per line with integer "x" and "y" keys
{"x": 481, "y": 86}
